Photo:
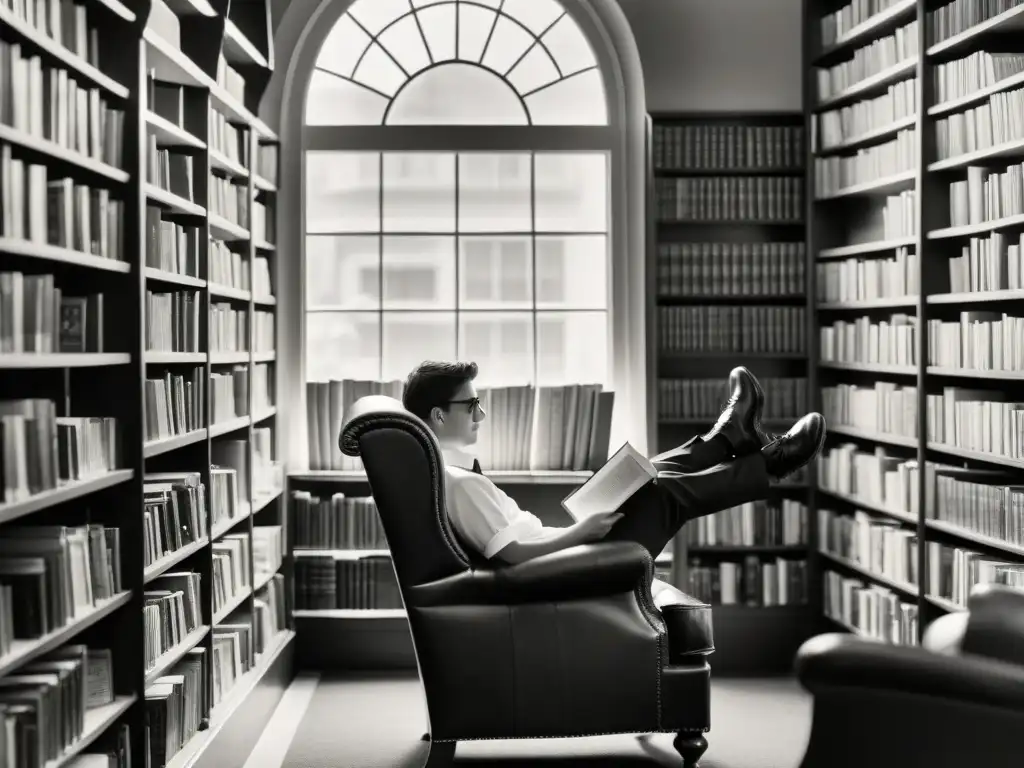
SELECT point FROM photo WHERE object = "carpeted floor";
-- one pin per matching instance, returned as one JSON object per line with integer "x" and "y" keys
{"x": 376, "y": 722}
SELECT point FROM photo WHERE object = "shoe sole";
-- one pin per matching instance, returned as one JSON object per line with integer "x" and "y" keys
{"x": 758, "y": 397}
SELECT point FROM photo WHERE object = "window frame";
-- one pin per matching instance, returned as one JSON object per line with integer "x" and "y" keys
{"x": 299, "y": 38}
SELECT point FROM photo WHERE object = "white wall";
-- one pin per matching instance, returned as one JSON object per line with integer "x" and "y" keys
{"x": 719, "y": 55}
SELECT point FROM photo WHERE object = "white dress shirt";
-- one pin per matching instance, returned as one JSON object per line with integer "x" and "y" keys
{"x": 483, "y": 515}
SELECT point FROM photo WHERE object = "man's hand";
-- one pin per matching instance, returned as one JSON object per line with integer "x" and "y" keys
{"x": 596, "y": 526}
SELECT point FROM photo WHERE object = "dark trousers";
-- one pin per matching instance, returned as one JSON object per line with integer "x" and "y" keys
{"x": 698, "y": 478}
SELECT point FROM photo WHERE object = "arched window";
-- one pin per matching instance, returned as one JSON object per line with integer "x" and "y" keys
{"x": 457, "y": 194}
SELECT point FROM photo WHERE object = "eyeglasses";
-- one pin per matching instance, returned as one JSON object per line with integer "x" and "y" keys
{"x": 472, "y": 402}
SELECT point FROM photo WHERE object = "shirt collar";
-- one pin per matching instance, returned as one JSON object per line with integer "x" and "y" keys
{"x": 456, "y": 457}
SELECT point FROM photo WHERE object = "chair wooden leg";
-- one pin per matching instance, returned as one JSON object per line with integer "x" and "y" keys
{"x": 691, "y": 745}
{"x": 441, "y": 754}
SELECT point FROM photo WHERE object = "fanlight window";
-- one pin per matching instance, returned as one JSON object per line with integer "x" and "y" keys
{"x": 456, "y": 62}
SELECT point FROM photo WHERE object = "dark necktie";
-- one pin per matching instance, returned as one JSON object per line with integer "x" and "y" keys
{"x": 476, "y": 467}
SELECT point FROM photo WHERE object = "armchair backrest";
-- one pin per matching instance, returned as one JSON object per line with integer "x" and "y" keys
{"x": 404, "y": 468}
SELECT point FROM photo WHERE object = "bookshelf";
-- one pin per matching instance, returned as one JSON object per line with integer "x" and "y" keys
{"x": 142, "y": 514}
{"x": 348, "y": 610}
{"x": 919, "y": 296}
{"x": 728, "y": 287}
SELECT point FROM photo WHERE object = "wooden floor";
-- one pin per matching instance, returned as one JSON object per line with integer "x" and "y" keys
{"x": 376, "y": 722}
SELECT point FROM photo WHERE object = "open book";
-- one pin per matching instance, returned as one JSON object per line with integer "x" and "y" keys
{"x": 625, "y": 473}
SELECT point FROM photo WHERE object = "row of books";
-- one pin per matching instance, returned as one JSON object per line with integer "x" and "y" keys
{"x": 228, "y": 329}
{"x": 229, "y": 394}
{"x": 54, "y": 106}
{"x": 693, "y": 399}
{"x": 979, "y": 420}
{"x": 36, "y": 316}
{"x": 223, "y": 137}
{"x": 835, "y": 26}
{"x": 958, "y": 16}
{"x": 55, "y": 575}
{"x": 768, "y": 199}
{"x": 882, "y": 407}
{"x": 862, "y": 340}
{"x": 835, "y": 173}
{"x": 872, "y": 610}
{"x": 978, "y": 341}
{"x": 229, "y": 200}
{"x": 171, "y": 321}
{"x": 174, "y": 514}
{"x": 881, "y": 546}
{"x": 40, "y": 451}
{"x": 954, "y": 571}
{"x": 779, "y": 523}
{"x": 44, "y": 207}
{"x": 268, "y": 550}
{"x": 731, "y": 269}
{"x": 982, "y": 127}
{"x": 44, "y": 708}
{"x": 228, "y": 268}
{"x": 725, "y": 328}
{"x": 835, "y": 127}
{"x": 751, "y": 581}
{"x": 980, "y": 502}
{"x": 868, "y": 279}
{"x": 986, "y": 195}
{"x": 960, "y": 78}
{"x": 232, "y": 555}
{"x": 727, "y": 147}
{"x": 867, "y": 61}
{"x": 340, "y": 522}
{"x": 325, "y": 582}
{"x": 172, "y": 611}
{"x": 527, "y": 427}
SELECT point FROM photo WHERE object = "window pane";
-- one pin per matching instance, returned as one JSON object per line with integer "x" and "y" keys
{"x": 342, "y": 345}
{"x": 457, "y": 94}
{"x": 572, "y": 348}
{"x": 494, "y": 192}
{"x": 374, "y": 15}
{"x": 578, "y": 100}
{"x": 572, "y": 272}
{"x": 344, "y": 45}
{"x": 412, "y": 337}
{"x": 500, "y": 343}
{"x": 405, "y": 43}
{"x": 419, "y": 192}
{"x": 342, "y": 272}
{"x": 569, "y": 46}
{"x": 535, "y": 15}
{"x": 342, "y": 192}
{"x": 419, "y": 272}
{"x": 508, "y": 43}
{"x": 438, "y": 25}
{"x": 380, "y": 72}
{"x": 534, "y": 70}
{"x": 495, "y": 273}
{"x": 475, "y": 25}
{"x": 571, "y": 192}
{"x": 333, "y": 101}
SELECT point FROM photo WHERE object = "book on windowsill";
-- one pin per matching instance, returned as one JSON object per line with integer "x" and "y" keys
{"x": 611, "y": 486}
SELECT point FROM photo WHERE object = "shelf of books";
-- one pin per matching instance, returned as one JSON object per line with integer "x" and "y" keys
{"x": 141, "y": 505}
{"x": 919, "y": 215}
{"x": 342, "y": 565}
{"x": 729, "y": 286}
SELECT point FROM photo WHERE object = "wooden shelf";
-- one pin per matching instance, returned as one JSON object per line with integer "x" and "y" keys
{"x": 172, "y": 656}
{"x": 63, "y": 360}
{"x": 60, "y": 255}
{"x": 66, "y": 492}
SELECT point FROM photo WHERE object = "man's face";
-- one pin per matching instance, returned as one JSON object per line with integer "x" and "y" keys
{"x": 462, "y": 418}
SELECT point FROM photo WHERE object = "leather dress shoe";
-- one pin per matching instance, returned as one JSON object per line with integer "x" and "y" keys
{"x": 740, "y": 422}
{"x": 795, "y": 449}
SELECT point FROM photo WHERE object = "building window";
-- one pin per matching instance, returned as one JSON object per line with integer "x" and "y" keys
{"x": 498, "y": 252}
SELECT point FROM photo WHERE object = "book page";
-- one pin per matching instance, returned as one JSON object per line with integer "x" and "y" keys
{"x": 609, "y": 488}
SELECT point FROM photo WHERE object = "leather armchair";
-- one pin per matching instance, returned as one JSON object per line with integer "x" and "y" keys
{"x": 957, "y": 700}
{"x": 568, "y": 644}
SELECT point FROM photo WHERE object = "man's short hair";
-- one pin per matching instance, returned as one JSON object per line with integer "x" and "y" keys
{"x": 434, "y": 384}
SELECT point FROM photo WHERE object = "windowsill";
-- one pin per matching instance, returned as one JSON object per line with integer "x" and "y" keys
{"x": 535, "y": 477}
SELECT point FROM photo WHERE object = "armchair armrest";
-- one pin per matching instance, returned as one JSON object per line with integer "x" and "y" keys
{"x": 891, "y": 706}
{"x": 587, "y": 570}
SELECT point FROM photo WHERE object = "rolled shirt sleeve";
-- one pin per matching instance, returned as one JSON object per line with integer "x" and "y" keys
{"x": 484, "y": 516}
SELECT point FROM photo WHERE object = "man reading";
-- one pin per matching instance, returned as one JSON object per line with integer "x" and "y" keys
{"x": 728, "y": 466}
